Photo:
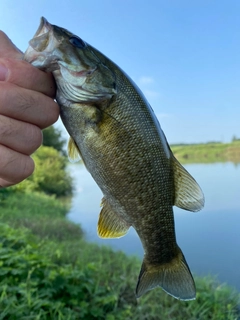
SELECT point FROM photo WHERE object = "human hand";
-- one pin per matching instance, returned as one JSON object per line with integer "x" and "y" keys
{"x": 26, "y": 107}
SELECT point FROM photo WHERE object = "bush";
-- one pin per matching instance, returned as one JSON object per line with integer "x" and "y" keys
{"x": 73, "y": 279}
{"x": 50, "y": 175}
{"x": 4, "y": 193}
{"x": 33, "y": 287}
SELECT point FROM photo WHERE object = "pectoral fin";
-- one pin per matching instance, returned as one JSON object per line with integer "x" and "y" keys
{"x": 188, "y": 194}
{"x": 110, "y": 224}
{"x": 73, "y": 151}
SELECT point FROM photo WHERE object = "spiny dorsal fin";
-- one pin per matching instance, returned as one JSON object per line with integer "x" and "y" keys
{"x": 188, "y": 194}
{"x": 73, "y": 151}
{"x": 174, "y": 277}
{"x": 110, "y": 224}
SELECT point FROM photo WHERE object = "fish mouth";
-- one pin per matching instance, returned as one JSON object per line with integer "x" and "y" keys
{"x": 48, "y": 51}
{"x": 42, "y": 43}
{"x": 41, "y": 39}
{"x": 44, "y": 27}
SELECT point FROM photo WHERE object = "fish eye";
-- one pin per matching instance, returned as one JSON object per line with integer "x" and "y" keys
{"x": 77, "y": 42}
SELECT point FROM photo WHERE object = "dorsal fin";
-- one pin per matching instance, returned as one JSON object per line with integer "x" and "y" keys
{"x": 73, "y": 151}
{"x": 110, "y": 224}
{"x": 188, "y": 194}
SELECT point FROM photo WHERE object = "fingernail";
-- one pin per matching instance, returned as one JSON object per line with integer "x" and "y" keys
{"x": 3, "y": 72}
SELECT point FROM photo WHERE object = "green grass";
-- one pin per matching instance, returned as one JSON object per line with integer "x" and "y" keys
{"x": 207, "y": 153}
{"x": 48, "y": 271}
{"x": 42, "y": 214}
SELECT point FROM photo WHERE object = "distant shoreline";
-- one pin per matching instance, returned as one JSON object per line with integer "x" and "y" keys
{"x": 207, "y": 152}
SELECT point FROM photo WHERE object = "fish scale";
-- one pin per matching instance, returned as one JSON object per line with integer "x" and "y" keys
{"x": 114, "y": 130}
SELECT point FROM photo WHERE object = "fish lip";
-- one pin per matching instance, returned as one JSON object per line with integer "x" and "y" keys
{"x": 39, "y": 43}
{"x": 44, "y": 26}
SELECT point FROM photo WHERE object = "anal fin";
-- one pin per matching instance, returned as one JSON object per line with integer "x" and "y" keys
{"x": 110, "y": 224}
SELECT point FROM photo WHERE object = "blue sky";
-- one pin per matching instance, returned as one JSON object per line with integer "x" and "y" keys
{"x": 183, "y": 54}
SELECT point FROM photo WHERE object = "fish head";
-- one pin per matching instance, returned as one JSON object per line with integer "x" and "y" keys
{"x": 74, "y": 64}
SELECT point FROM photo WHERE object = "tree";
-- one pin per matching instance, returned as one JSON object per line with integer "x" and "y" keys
{"x": 234, "y": 138}
{"x": 52, "y": 137}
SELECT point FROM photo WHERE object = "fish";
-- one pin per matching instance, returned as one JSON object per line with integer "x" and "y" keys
{"x": 115, "y": 132}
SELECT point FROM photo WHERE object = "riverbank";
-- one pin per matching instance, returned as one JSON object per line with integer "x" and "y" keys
{"x": 207, "y": 152}
{"x": 49, "y": 271}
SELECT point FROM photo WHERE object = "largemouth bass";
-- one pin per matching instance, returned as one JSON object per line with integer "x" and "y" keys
{"x": 114, "y": 130}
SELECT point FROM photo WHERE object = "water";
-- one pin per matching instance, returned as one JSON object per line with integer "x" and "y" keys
{"x": 210, "y": 239}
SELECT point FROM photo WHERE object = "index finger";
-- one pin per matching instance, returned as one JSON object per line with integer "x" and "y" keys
{"x": 24, "y": 75}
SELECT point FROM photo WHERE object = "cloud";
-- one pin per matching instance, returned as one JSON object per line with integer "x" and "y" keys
{"x": 163, "y": 115}
{"x": 144, "y": 80}
{"x": 150, "y": 93}
{"x": 147, "y": 84}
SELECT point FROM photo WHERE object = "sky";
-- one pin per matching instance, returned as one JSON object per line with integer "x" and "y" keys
{"x": 183, "y": 54}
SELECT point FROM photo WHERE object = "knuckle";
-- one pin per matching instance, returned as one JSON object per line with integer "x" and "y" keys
{"x": 27, "y": 105}
{"x": 14, "y": 166}
{"x": 33, "y": 138}
{"x": 27, "y": 165}
{"x": 36, "y": 137}
{"x": 14, "y": 98}
{"x": 40, "y": 103}
{"x": 25, "y": 102}
{"x": 5, "y": 87}
{"x": 54, "y": 112}
{"x": 7, "y": 126}
{"x": 20, "y": 136}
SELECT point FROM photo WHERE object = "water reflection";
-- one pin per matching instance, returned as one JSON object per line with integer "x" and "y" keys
{"x": 210, "y": 239}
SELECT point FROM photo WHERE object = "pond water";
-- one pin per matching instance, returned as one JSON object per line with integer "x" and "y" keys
{"x": 209, "y": 239}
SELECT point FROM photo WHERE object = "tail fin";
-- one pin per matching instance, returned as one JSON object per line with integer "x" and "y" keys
{"x": 174, "y": 277}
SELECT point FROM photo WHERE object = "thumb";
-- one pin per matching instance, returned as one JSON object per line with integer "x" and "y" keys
{"x": 8, "y": 49}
